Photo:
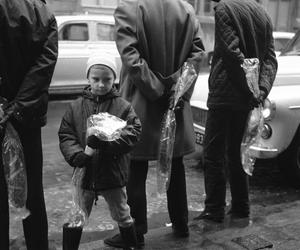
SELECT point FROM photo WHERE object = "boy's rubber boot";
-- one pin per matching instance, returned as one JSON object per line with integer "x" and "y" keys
{"x": 129, "y": 237}
{"x": 71, "y": 237}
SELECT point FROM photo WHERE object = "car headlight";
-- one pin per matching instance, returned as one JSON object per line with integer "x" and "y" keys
{"x": 269, "y": 110}
{"x": 266, "y": 132}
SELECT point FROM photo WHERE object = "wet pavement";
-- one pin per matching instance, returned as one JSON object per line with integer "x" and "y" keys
{"x": 275, "y": 207}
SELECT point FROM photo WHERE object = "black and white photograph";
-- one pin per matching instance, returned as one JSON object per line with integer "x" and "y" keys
{"x": 149, "y": 124}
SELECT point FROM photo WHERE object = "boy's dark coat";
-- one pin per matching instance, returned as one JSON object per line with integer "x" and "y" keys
{"x": 109, "y": 166}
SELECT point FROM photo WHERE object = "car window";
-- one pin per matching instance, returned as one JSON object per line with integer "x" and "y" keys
{"x": 293, "y": 47}
{"x": 279, "y": 43}
{"x": 74, "y": 32}
{"x": 105, "y": 32}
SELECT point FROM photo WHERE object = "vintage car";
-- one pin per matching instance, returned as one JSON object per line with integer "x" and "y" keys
{"x": 281, "y": 130}
{"x": 79, "y": 37}
{"x": 281, "y": 38}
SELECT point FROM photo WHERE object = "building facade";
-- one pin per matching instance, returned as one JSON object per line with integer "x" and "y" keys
{"x": 285, "y": 14}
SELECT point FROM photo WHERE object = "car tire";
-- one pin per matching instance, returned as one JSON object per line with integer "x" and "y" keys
{"x": 289, "y": 161}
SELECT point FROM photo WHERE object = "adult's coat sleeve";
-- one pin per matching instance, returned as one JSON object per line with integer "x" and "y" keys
{"x": 126, "y": 37}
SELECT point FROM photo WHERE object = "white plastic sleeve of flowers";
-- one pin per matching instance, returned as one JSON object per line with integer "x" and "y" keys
{"x": 251, "y": 138}
{"x": 15, "y": 172}
{"x": 78, "y": 216}
{"x": 105, "y": 126}
{"x": 255, "y": 119}
{"x": 168, "y": 130}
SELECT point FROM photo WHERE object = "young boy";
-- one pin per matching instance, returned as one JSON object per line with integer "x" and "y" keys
{"x": 106, "y": 162}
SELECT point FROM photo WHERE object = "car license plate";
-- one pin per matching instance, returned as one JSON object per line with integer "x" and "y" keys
{"x": 199, "y": 138}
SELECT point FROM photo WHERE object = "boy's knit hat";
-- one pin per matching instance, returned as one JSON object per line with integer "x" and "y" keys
{"x": 107, "y": 60}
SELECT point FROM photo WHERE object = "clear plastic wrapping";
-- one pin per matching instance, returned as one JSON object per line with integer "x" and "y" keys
{"x": 167, "y": 137}
{"x": 15, "y": 171}
{"x": 251, "y": 69}
{"x": 255, "y": 119}
{"x": 166, "y": 146}
{"x": 78, "y": 216}
{"x": 107, "y": 128}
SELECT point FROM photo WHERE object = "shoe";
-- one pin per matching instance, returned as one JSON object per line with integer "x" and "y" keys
{"x": 140, "y": 240}
{"x": 215, "y": 217}
{"x": 117, "y": 241}
{"x": 181, "y": 231}
{"x": 238, "y": 214}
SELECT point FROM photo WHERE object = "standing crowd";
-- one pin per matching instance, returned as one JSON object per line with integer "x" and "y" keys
{"x": 154, "y": 38}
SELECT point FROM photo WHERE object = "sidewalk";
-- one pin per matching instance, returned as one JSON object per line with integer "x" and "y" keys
{"x": 277, "y": 226}
{"x": 275, "y": 215}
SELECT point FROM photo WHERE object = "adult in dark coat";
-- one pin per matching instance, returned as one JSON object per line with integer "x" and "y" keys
{"x": 242, "y": 30}
{"x": 28, "y": 53}
{"x": 154, "y": 39}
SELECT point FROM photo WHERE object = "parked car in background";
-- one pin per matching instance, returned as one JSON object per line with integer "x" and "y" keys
{"x": 281, "y": 39}
{"x": 281, "y": 132}
{"x": 79, "y": 37}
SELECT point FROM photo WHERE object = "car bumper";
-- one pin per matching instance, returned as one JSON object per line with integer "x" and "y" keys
{"x": 263, "y": 152}
{"x": 256, "y": 151}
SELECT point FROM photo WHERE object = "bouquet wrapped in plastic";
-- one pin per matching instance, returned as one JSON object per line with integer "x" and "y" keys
{"x": 167, "y": 137}
{"x": 13, "y": 161}
{"x": 107, "y": 128}
{"x": 255, "y": 119}
{"x": 78, "y": 216}
{"x": 15, "y": 171}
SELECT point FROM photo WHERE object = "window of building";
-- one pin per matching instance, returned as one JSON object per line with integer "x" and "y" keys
{"x": 109, "y": 3}
{"x": 101, "y": 3}
{"x": 74, "y": 32}
{"x": 105, "y": 32}
{"x": 192, "y": 2}
{"x": 207, "y": 6}
{"x": 280, "y": 11}
{"x": 89, "y": 2}
{"x": 280, "y": 43}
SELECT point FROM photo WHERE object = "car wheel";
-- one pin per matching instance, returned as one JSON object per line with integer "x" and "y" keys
{"x": 289, "y": 161}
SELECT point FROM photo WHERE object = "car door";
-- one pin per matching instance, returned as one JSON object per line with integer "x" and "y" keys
{"x": 74, "y": 38}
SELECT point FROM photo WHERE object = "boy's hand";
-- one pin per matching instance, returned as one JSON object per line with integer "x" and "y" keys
{"x": 81, "y": 160}
{"x": 92, "y": 141}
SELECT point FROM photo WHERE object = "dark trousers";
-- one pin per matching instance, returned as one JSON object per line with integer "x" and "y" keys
{"x": 222, "y": 141}
{"x": 176, "y": 194}
{"x": 35, "y": 226}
